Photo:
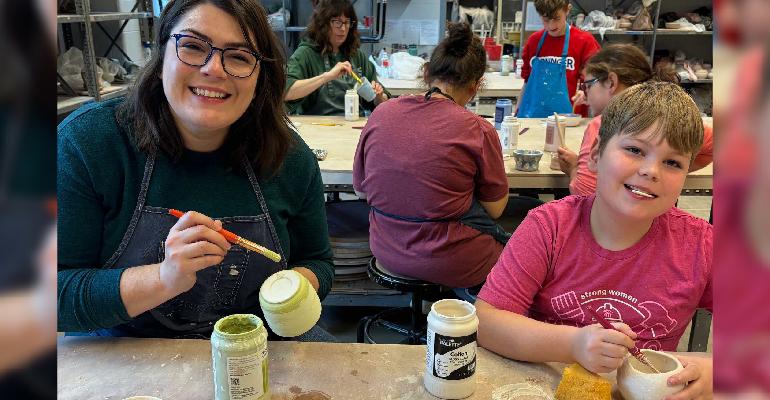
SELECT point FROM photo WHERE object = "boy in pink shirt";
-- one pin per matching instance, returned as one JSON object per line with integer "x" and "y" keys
{"x": 625, "y": 251}
{"x": 607, "y": 73}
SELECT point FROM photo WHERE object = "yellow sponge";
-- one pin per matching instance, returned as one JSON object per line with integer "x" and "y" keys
{"x": 577, "y": 383}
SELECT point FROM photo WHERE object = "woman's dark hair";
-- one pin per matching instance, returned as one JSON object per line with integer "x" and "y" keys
{"x": 260, "y": 135}
{"x": 630, "y": 64}
{"x": 459, "y": 60}
{"x": 320, "y": 25}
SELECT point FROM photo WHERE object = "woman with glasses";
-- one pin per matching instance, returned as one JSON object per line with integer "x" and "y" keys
{"x": 607, "y": 73}
{"x": 203, "y": 131}
{"x": 319, "y": 71}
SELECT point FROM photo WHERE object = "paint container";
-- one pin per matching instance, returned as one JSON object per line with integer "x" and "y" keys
{"x": 519, "y": 66}
{"x": 239, "y": 354}
{"x": 351, "y": 105}
{"x": 450, "y": 371}
{"x": 552, "y": 135}
{"x": 637, "y": 381}
{"x": 365, "y": 90}
{"x": 290, "y": 304}
{"x": 505, "y": 65}
{"x": 509, "y": 134}
{"x": 503, "y": 107}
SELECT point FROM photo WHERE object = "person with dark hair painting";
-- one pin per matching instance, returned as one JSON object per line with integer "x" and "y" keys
{"x": 204, "y": 131}
{"x": 433, "y": 173}
{"x": 319, "y": 71}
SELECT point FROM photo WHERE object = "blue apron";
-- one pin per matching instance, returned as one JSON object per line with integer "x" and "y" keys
{"x": 546, "y": 90}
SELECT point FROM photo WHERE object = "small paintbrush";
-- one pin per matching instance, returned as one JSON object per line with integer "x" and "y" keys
{"x": 235, "y": 239}
{"x": 634, "y": 351}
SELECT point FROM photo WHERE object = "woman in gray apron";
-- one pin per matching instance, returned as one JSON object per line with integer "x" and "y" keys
{"x": 319, "y": 71}
{"x": 203, "y": 130}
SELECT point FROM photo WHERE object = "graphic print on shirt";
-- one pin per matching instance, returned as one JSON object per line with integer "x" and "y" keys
{"x": 649, "y": 319}
{"x": 556, "y": 60}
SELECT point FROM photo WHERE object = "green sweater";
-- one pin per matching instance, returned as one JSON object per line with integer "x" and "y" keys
{"x": 99, "y": 177}
{"x": 307, "y": 62}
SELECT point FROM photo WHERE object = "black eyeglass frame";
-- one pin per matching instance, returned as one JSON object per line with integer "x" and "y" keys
{"x": 256, "y": 55}
{"x": 350, "y": 23}
{"x": 585, "y": 85}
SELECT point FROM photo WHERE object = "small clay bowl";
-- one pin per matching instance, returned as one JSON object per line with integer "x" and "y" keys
{"x": 637, "y": 381}
{"x": 527, "y": 160}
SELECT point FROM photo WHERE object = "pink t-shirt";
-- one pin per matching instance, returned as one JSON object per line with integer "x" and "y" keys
{"x": 585, "y": 180}
{"x": 429, "y": 160}
{"x": 552, "y": 268}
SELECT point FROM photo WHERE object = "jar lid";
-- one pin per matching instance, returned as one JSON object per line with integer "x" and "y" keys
{"x": 351, "y": 91}
{"x": 561, "y": 118}
{"x": 281, "y": 286}
{"x": 510, "y": 118}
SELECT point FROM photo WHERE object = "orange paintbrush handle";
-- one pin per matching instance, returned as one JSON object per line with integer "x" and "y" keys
{"x": 231, "y": 237}
{"x": 235, "y": 239}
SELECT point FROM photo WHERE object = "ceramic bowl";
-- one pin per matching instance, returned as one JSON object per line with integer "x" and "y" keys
{"x": 572, "y": 119}
{"x": 637, "y": 381}
{"x": 527, "y": 160}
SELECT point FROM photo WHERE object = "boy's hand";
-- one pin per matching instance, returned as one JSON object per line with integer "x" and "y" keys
{"x": 698, "y": 375}
{"x": 567, "y": 161}
{"x": 602, "y": 350}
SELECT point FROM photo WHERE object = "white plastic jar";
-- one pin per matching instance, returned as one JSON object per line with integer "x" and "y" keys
{"x": 450, "y": 370}
{"x": 552, "y": 134}
{"x": 351, "y": 105}
{"x": 509, "y": 134}
{"x": 505, "y": 65}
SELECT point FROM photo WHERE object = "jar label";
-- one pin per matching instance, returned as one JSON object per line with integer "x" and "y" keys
{"x": 244, "y": 376}
{"x": 451, "y": 357}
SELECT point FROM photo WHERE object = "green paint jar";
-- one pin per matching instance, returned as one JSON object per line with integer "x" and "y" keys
{"x": 239, "y": 354}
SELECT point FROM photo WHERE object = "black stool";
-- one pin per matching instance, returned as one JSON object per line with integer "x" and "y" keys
{"x": 415, "y": 333}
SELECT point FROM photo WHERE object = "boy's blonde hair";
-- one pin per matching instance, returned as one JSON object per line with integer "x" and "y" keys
{"x": 549, "y": 8}
{"x": 651, "y": 103}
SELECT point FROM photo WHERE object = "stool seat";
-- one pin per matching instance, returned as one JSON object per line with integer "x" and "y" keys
{"x": 380, "y": 274}
{"x": 419, "y": 289}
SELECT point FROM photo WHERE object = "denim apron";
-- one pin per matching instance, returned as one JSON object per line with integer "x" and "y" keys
{"x": 227, "y": 288}
{"x": 546, "y": 90}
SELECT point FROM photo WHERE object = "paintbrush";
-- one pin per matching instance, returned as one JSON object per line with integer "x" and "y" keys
{"x": 562, "y": 139}
{"x": 235, "y": 239}
{"x": 356, "y": 76}
{"x": 634, "y": 351}
{"x": 325, "y": 124}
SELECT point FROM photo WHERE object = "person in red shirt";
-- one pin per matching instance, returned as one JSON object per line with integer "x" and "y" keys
{"x": 433, "y": 174}
{"x": 538, "y": 57}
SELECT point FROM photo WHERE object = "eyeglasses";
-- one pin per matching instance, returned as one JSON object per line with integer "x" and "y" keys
{"x": 584, "y": 86}
{"x": 197, "y": 52}
{"x": 338, "y": 23}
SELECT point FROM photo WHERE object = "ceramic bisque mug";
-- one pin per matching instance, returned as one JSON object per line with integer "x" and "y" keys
{"x": 637, "y": 381}
{"x": 290, "y": 304}
{"x": 365, "y": 90}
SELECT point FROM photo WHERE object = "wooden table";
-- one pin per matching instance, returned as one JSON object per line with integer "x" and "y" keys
{"x": 495, "y": 85}
{"x": 341, "y": 140}
{"x": 115, "y": 368}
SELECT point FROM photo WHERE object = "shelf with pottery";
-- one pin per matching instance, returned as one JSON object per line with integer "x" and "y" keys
{"x": 495, "y": 85}
{"x": 661, "y": 31}
{"x": 65, "y": 104}
{"x": 340, "y": 138}
{"x": 117, "y": 368}
{"x": 102, "y": 16}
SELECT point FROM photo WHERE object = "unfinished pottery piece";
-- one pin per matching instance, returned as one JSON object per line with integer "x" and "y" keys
{"x": 637, "y": 381}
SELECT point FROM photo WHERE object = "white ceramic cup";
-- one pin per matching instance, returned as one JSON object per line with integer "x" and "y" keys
{"x": 365, "y": 90}
{"x": 636, "y": 381}
{"x": 289, "y": 303}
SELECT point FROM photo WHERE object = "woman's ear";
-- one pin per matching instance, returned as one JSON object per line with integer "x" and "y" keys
{"x": 593, "y": 157}
{"x": 612, "y": 78}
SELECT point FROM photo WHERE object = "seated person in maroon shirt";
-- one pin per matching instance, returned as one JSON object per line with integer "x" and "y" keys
{"x": 433, "y": 174}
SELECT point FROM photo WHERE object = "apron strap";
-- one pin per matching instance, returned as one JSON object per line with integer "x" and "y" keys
{"x": 566, "y": 46}
{"x": 410, "y": 219}
{"x": 263, "y": 204}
